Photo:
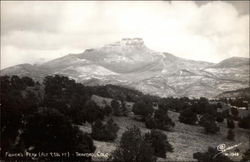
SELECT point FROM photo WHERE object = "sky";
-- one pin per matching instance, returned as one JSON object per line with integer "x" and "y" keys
{"x": 38, "y": 31}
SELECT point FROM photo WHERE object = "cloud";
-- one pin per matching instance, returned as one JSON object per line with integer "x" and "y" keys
{"x": 34, "y": 30}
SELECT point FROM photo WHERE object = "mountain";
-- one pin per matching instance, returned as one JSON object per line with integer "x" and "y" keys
{"x": 130, "y": 63}
{"x": 244, "y": 93}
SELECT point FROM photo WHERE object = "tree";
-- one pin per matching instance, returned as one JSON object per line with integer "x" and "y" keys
{"x": 48, "y": 130}
{"x": 98, "y": 130}
{"x": 142, "y": 108}
{"x": 28, "y": 81}
{"x": 160, "y": 120}
{"x": 230, "y": 123}
{"x": 234, "y": 112}
{"x": 246, "y": 156}
{"x": 244, "y": 122}
{"x": 111, "y": 130}
{"x": 16, "y": 103}
{"x": 219, "y": 117}
{"x": 116, "y": 108}
{"x": 208, "y": 122}
{"x": 230, "y": 134}
{"x": 187, "y": 116}
{"x": 159, "y": 143}
{"x": 104, "y": 132}
{"x": 211, "y": 155}
{"x": 92, "y": 112}
{"x": 132, "y": 148}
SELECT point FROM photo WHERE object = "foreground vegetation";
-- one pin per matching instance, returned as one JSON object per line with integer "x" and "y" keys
{"x": 45, "y": 117}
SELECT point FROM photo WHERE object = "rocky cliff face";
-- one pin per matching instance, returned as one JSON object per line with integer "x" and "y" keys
{"x": 130, "y": 63}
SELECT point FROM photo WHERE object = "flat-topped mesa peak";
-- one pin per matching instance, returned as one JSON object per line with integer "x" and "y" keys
{"x": 127, "y": 43}
{"x": 132, "y": 42}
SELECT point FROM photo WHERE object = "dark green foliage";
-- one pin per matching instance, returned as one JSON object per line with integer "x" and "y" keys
{"x": 188, "y": 116}
{"x": 246, "y": 156}
{"x": 104, "y": 132}
{"x": 117, "y": 92}
{"x": 48, "y": 130}
{"x": 28, "y": 81}
{"x": 132, "y": 148}
{"x": 143, "y": 108}
{"x": 150, "y": 122}
{"x": 159, "y": 143}
{"x": 16, "y": 102}
{"x": 230, "y": 134}
{"x": 66, "y": 96}
{"x": 93, "y": 112}
{"x": 219, "y": 117}
{"x": 212, "y": 155}
{"x": 244, "y": 122}
{"x": 159, "y": 120}
{"x": 234, "y": 112}
{"x": 208, "y": 122}
{"x": 107, "y": 110}
{"x": 116, "y": 108}
{"x": 230, "y": 123}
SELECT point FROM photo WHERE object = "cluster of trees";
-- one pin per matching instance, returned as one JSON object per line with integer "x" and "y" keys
{"x": 44, "y": 119}
{"x": 135, "y": 147}
{"x": 117, "y": 92}
{"x": 207, "y": 112}
{"x": 119, "y": 108}
{"x": 104, "y": 132}
{"x": 159, "y": 120}
{"x": 154, "y": 118}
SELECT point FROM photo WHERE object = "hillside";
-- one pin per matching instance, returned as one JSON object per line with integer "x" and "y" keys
{"x": 185, "y": 139}
{"x": 243, "y": 93}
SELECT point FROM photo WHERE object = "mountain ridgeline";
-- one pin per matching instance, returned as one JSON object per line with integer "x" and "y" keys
{"x": 129, "y": 63}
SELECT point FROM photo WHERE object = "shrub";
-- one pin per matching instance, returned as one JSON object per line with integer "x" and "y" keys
{"x": 208, "y": 122}
{"x": 159, "y": 143}
{"x": 104, "y": 132}
{"x": 246, "y": 156}
{"x": 48, "y": 130}
{"x": 142, "y": 108}
{"x": 244, "y": 122}
{"x": 212, "y": 155}
{"x": 230, "y": 135}
{"x": 132, "y": 148}
{"x": 159, "y": 120}
{"x": 116, "y": 108}
{"x": 219, "y": 117}
{"x": 187, "y": 116}
{"x": 230, "y": 123}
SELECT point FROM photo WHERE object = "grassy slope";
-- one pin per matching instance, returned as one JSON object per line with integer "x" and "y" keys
{"x": 186, "y": 139}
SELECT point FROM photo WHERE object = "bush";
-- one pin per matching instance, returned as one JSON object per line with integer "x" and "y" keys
{"x": 48, "y": 130}
{"x": 219, "y": 117}
{"x": 246, "y": 156}
{"x": 92, "y": 112}
{"x": 116, "y": 108}
{"x": 159, "y": 120}
{"x": 234, "y": 112}
{"x": 212, "y": 155}
{"x": 244, "y": 122}
{"x": 104, "y": 132}
{"x": 142, "y": 108}
{"x": 208, "y": 122}
{"x": 159, "y": 143}
{"x": 187, "y": 116}
{"x": 230, "y": 135}
{"x": 230, "y": 123}
{"x": 132, "y": 148}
